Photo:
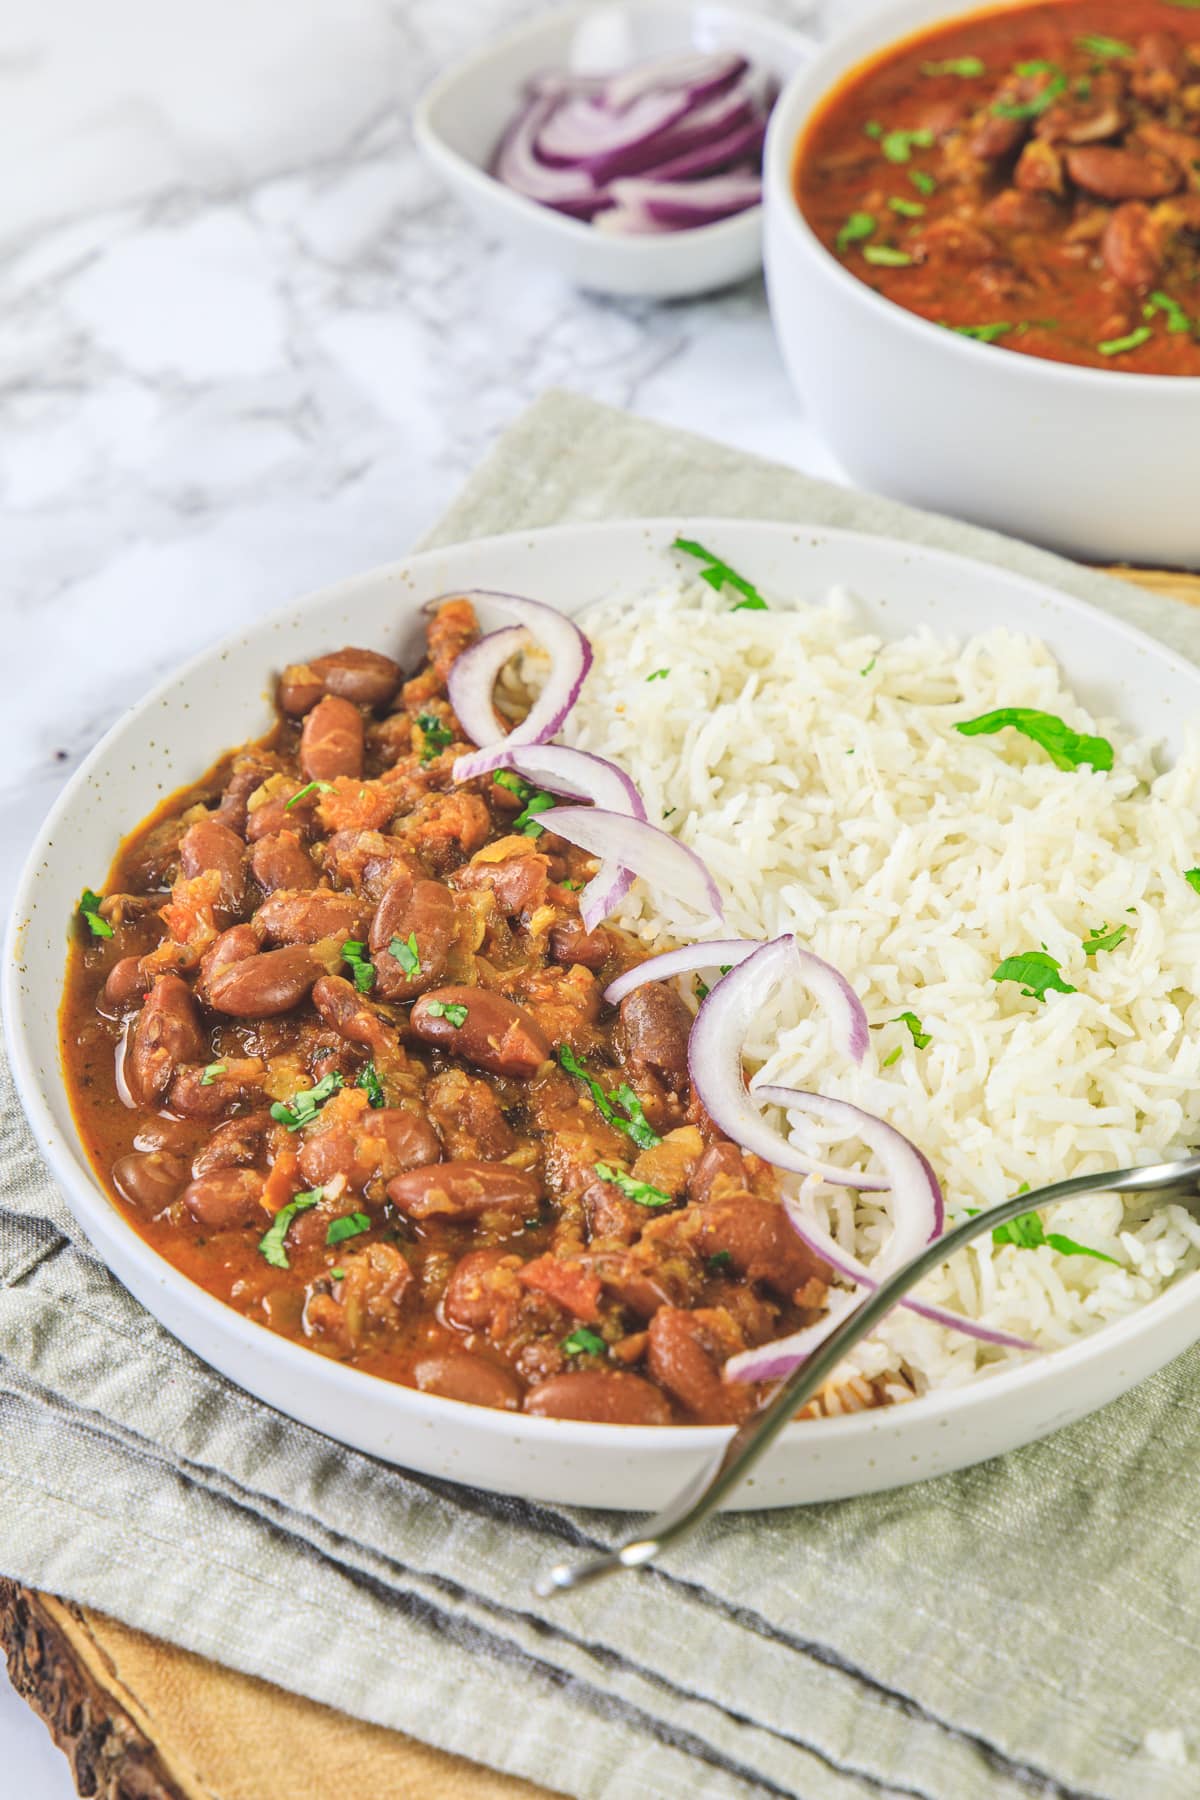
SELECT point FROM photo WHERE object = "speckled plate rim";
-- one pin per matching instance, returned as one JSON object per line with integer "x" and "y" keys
{"x": 619, "y": 1467}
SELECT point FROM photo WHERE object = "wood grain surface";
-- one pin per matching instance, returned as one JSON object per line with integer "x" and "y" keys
{"x": 141, "y": 1720}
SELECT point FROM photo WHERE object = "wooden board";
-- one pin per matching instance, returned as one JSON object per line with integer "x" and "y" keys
{"x": 141, "y": 1720}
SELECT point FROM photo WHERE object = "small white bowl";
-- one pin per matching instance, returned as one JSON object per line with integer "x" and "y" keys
{"x": 459, "y": 121}
{"x": 1100, "y": 464}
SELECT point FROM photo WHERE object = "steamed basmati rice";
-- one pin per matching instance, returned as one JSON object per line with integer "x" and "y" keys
{"x": 816, "y": 770}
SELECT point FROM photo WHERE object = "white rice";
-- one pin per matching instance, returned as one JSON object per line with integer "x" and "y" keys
{"x": 816, "y": 770}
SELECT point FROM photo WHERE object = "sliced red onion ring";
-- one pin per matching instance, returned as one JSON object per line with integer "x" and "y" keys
{"x": 715, "y": 1059}
{"x": 714, "y": 955}
{"x": 660, "y": 859}
{"x": 702, "y": 74}
{"x": 562, "y": 770}
{"x": 472, "y": 682}
{"x": 518, "y": 166}
{"x": 581, "y": 134}
{"x": 772, "y": 1362}
{"x": 914, "y": 1186}
{"x": 710, "y": 157}
{"x": 570, "y": 659}
{"x": 678, "y": 206}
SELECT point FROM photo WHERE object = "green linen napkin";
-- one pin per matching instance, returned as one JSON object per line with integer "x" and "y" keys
{"x": 1015, "y": 1629}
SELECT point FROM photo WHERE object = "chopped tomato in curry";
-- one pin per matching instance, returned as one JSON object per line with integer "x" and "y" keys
{"x": 336, "y": 1043}
{"x": 1028, "y": 177}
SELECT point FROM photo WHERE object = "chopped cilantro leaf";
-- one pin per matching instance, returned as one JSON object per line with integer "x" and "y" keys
{"x": 211, "y": 1072}
{"x": 1192, "y": 877}
{"x": 916, "y": 1030}
{"x": 885, "y": 256}
{"x": 582, "y": 1342}
{"x": 983, "y": 334}
{"x": 526, "y": 820}
{"x": 304, "y": 1105}
{"x": 352, "y": 1225}
{"x": 313, "y": 787}
{"x": 658, "y": 675}
{"x": 718, "y": 574}
{"x": 1026, "y": 1232}
{"x": 1041, "y": 102}
{"x": 873, "y": 129}
{"x": 453, "y": 1011}
{"x": 894, "y": 1057}
{"x": 572, "y": 887}
{"x": 923, "y": 181}
{"x": 1133, "y": 341}
{"x": 355, "y": 953}
{"x": 1177, "y": 319}
{"x": 858, "y": 227}
{"x": 635, "y": 1124}
{"x": 435, "y": 736}
{"x": 898, "y": 146}
{"x": 640, "y": 1191}
{"x": 514, "y": 784}
{"x": 1103, "y": 939}
{"x": 372, "y": 1087}
{"x": 908, "y": 209}
{"x": 1096, "y": 44}
{"x": 338, "y": 1274}
{"x": 702, "y": 989}
{"x": 89, "y": 911}
{"x": 869, "y": 666}
{"x": 1067, "y": 748}
{"x": 1038, "y": 973}
{"x": 406, "y": 953}
{"x": 966, "y": 66}
{"x": 720, "y": 1260}
{"x": 271, "y": 1244}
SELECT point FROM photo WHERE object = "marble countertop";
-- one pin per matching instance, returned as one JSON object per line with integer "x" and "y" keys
{"x": 248, "y": 344}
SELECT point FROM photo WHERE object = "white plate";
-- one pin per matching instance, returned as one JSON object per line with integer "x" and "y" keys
{"x": 220, "y": 699}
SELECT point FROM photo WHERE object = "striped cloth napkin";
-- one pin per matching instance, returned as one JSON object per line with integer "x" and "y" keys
{"x": 1021, "y": 1628}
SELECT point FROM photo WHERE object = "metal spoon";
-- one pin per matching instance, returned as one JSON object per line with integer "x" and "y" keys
{"x": 707, "y": 1490}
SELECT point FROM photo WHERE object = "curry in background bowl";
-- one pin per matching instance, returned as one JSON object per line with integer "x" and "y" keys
{"x": 1028, "y": 177}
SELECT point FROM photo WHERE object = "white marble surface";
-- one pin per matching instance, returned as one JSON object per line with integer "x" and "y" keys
{"x": 247, "y": 345}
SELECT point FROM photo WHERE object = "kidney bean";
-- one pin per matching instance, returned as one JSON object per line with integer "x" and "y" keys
{"x": 1039, "y": 171}
{"x": 599, "y": 1398}
{"x": 363, "y": 676}
{"x": 464, "y": 1190}
{"x": 210, "y": 845}
{"x": 196, "y": 1094}
{"x": 656, "y": 1026}
{"x": 459, "y": 1375}
{"x": 1132, "y": 246}
{"x": 1159, "y": 67}
{"x": 162, "y": 1133}
{"x": 127, "y": 982}
{"x": 1114, "y": 174}
{"x": 237, "y": 1144}
{"x": 495, "y": 1035}
{"x": 306, "y": 917}
{"x": 760, "y": 1243}
{"x": 721, "y": 1163}
{"x": 281, "y": 861}
{"x": 571, "y": 943}
{"x": 150, "y": 1180}
{"x": 278, "y": 815}
{"x": 483, "y": 1294}
{"x": 519, "y": 883}
{"x": 997, "y": 138}
{"x": 167, "y": 1033}
{"x": 682, "y": 1354}
{"x": 424, "y": 911}
{"x": 232, "y": 810}
{"x": 609, "y": 1215}
{"x": 264, "y": 985}
{"x": 233, "y": 946}
{"x": 345, "y": 1011}
{"x": 331, "y": 742}
{"x": 378, "y": 1144}
{"x": 227, "y": 1199}
{"x": 469, "y": 1117}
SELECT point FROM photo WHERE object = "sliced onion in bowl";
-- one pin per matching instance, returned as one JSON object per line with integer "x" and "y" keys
{"x": 718, "y": 953}
{"x": 715, "y": 1062}
{"x": 702, "y": 73}
{"x": 518, "y": 165}
{"x": 570, "y": 659}
{"x": 662, "y": 861}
